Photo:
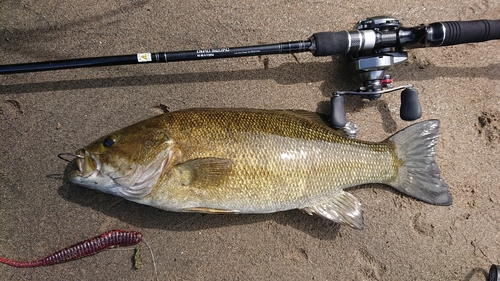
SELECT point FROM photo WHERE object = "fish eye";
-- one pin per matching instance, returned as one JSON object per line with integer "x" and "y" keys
{"x": 107, "y": 142}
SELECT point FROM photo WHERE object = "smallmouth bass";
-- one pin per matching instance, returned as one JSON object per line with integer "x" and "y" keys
{"x": 258, "y": 161}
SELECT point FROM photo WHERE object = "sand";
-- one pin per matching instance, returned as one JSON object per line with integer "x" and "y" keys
{"x": 43, "y": 114}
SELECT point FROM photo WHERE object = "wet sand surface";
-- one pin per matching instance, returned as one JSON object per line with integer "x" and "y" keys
{"x": 46, "y": 113}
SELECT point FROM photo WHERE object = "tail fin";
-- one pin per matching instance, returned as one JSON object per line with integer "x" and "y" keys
{"x": 419, "y": 174}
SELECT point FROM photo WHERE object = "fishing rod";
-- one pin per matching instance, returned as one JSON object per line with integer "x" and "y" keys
{"x": 375, "y": 45}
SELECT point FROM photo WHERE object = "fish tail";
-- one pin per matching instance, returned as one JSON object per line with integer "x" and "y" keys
{"x": 418, "y": 174}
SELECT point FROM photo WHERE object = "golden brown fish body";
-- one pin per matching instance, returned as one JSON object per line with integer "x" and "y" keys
{"x": 257, "y": 161}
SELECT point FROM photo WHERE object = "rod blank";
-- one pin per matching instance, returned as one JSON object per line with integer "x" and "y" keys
{"x": 203, "y": 54}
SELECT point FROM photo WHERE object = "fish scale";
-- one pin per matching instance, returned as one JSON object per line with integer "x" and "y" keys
{"x": 322, "y": 171}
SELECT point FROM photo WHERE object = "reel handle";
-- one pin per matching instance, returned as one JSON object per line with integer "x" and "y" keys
{"x": 410, "y": 109}
{"x": 337, "y": 115}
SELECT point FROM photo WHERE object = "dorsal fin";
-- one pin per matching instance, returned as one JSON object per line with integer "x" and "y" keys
{"x": 313, "y": 116}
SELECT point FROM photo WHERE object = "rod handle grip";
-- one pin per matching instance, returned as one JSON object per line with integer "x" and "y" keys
{"x": 460, "y": 32}
{"x": 331, "y": 43}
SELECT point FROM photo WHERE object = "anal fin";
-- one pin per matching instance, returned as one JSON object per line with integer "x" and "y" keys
{"x": 210, "y": 210}
{"x": 342, "y": 208}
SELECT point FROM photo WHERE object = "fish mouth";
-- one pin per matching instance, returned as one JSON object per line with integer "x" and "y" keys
{"x": 88, "y": 164}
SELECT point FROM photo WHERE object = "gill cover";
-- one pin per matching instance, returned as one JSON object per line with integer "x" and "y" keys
{"x": 127, "y": 163}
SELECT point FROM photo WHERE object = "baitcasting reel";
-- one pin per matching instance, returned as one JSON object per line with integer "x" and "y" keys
{"x": 371, "y": 66}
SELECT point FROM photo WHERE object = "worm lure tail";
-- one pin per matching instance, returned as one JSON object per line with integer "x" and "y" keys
{"x": 110, "y": 239}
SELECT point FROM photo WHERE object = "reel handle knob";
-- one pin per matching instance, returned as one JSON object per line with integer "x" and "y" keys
{"x": 410, "y": 106}
{"x": 337, "y": 115}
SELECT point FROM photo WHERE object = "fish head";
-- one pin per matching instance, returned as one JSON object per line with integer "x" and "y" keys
{"x": 127, "y": 163}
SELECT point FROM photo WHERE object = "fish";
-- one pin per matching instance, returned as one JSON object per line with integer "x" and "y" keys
{"x": 252, "y": 161}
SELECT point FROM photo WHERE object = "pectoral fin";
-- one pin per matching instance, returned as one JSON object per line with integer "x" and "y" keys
{"x": 204, "y": 172}
{"x": 342, "y": 208}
